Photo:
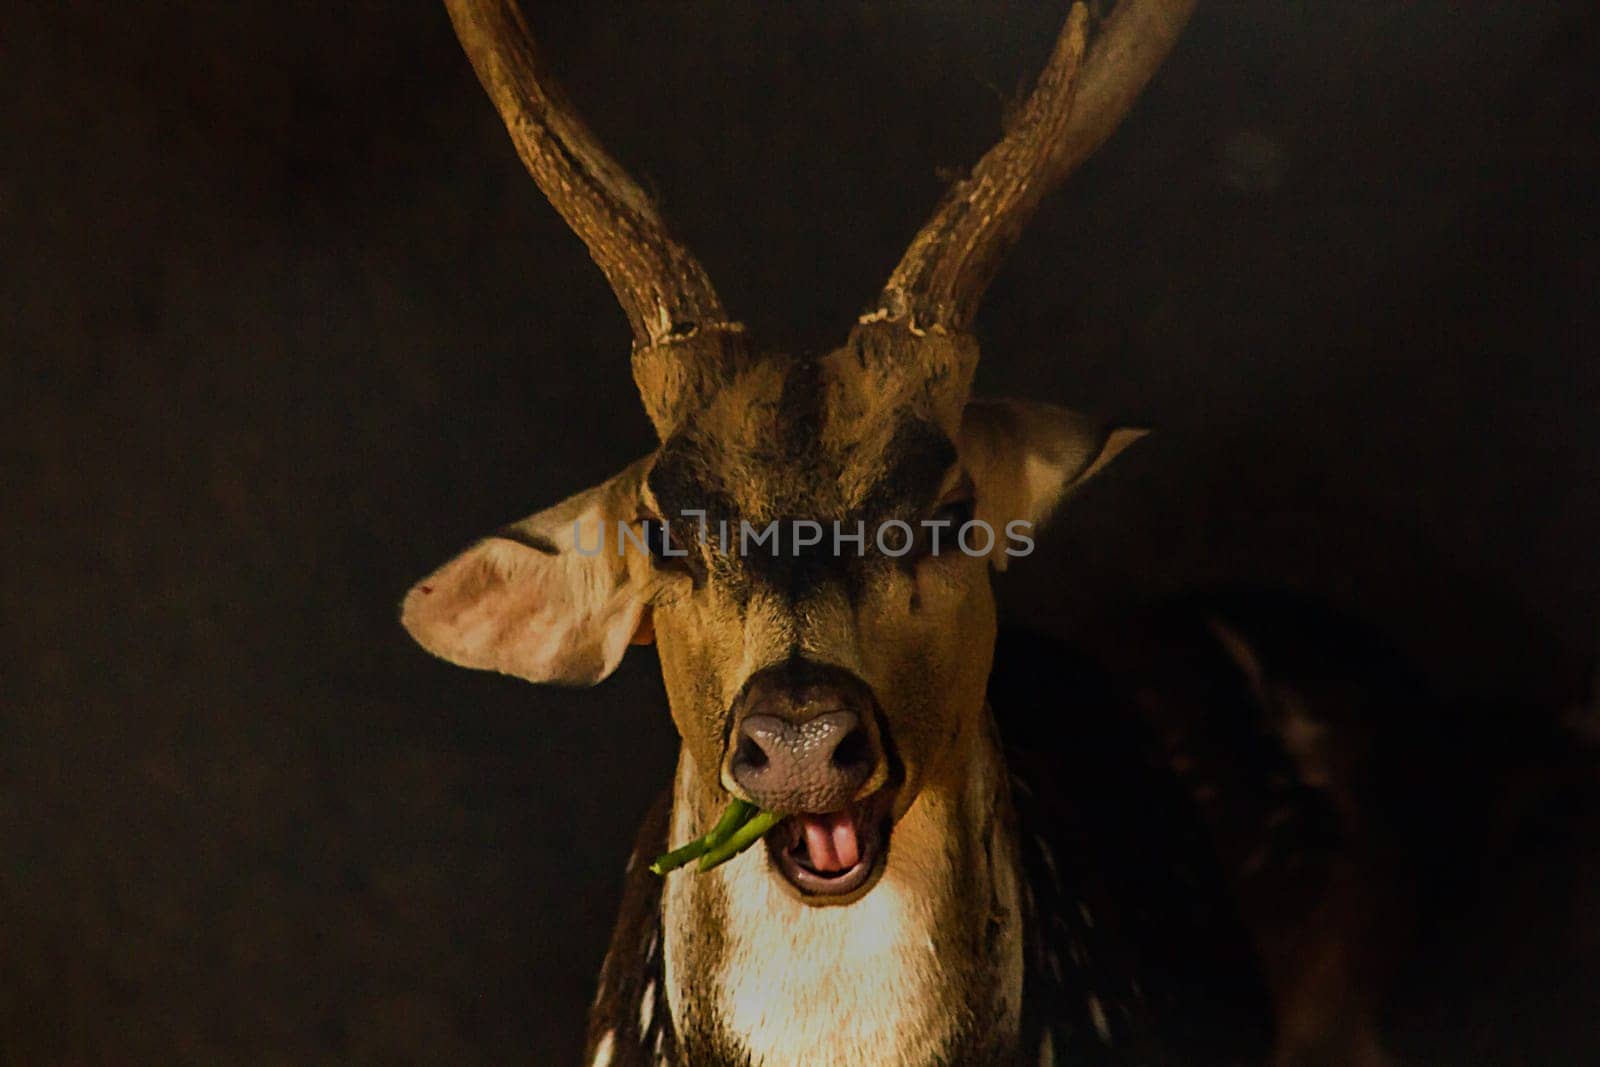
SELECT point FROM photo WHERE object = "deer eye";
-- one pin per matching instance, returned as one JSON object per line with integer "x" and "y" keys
{"x": 956, "y": 512}
{"x": 658, "y": 539}
{"x": 938, "y": 534}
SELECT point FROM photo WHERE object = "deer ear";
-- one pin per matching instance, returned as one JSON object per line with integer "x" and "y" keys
{"x": 554, "y": 598}
{"x": 1026, "y": 457}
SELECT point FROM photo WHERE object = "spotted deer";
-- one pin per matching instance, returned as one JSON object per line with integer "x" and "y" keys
{"x": 929, "y": 896}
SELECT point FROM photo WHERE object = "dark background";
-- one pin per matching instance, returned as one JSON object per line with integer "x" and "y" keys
{"x": 285, "y": 324}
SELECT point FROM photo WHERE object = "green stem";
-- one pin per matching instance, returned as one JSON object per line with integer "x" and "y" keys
{"x": 742, "y": 838}
{"x": 739, "y": 812}
{"x": 671, "y": 861}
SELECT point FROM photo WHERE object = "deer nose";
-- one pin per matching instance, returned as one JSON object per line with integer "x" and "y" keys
{"x": 813, "y": 766}
{"x": 803, "y": 748}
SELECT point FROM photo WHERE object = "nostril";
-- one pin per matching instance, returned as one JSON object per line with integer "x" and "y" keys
{"x": 854, "y": 751}
{"x": 749, "y": 754}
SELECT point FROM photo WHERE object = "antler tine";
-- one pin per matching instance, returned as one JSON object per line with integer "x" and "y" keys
{"x": 1077, "y": 102}
{"x": 662, "y": 288}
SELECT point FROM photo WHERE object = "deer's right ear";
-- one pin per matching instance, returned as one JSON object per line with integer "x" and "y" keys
{"x": 554, "y": 598}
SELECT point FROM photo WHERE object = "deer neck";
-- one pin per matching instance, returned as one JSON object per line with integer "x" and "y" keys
{"x": 925, "y": 968}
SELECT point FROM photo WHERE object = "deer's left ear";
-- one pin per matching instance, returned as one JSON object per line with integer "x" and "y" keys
{"x": 554, "y": 598}
{"x": 1026, "y": 457}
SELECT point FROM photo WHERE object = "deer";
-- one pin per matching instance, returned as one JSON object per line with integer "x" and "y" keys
{"x": 917, "y": 901}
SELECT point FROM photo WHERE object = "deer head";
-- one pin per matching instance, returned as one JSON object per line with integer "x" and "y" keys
{"x": 835, "y": 666}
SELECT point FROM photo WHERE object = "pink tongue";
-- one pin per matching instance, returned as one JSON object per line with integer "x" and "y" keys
{"x": 831, "y": 841}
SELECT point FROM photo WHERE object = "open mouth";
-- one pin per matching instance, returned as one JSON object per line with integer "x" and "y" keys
{"x": 832, "y": 854}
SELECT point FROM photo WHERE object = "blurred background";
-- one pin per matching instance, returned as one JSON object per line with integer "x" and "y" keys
{"x": 285, "y": 324}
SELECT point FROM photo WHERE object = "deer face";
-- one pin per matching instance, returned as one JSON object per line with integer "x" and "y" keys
{"x": 806, "y": 677}
{"x": 810, "y": 544}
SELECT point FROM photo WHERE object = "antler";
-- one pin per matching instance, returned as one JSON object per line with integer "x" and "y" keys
{"x": 669, "y": 300}
{"x": 1078, "y": 101}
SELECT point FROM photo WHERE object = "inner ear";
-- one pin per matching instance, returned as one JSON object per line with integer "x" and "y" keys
{"x": 556, "y": 597}
{"x": 1025, "y": 457}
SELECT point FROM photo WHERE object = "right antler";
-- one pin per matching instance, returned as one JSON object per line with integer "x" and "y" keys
{"x": 1077, "y": 102}
{"x": 678, "y": 321}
